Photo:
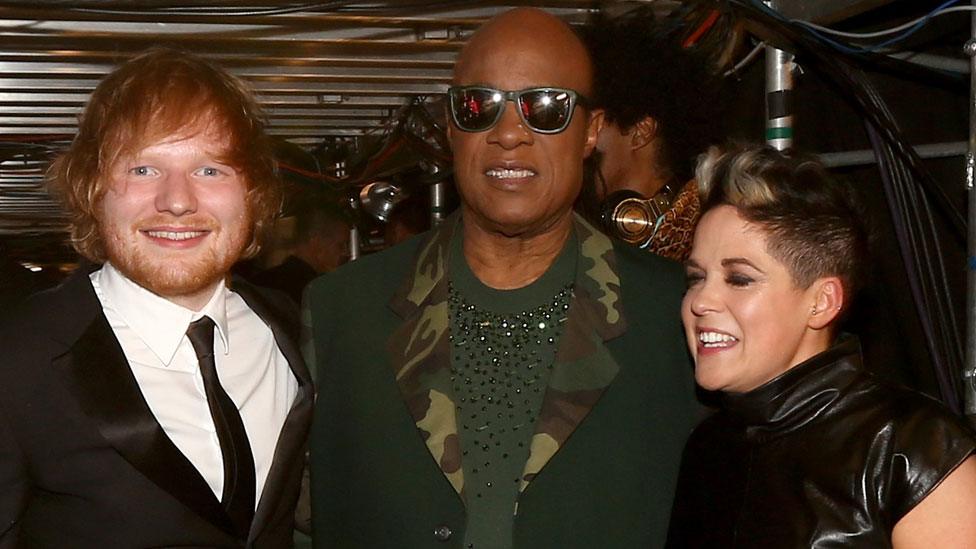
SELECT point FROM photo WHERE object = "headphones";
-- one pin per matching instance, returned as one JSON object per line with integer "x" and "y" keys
{"x": 627, "y": 215}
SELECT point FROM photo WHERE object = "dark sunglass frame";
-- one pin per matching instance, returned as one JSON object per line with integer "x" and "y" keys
{"x": 575, "y": 98}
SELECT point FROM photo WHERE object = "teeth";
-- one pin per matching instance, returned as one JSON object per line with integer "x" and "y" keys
{"x": 173, "y": 235}
{"x": 715, "y": 339}
{"x": 505, "y": 173}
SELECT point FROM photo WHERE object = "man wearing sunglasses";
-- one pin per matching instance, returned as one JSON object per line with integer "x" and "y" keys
{"x": 512, "y": 378}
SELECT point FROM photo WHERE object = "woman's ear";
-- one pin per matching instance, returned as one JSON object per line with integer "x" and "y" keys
{"x": 828, "y": 302}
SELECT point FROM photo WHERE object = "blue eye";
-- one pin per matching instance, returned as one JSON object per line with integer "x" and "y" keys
{"x": 209, "y": 172}
{"x": 142, "y": 171}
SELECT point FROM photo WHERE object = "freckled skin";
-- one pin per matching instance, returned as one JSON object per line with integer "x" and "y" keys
{"x": 176, "y": 184}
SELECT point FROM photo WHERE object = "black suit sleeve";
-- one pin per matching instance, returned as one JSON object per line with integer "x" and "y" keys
{"x": 14, "y": 485}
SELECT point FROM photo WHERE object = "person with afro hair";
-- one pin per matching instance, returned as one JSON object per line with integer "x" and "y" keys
{"x": 662, "y": 109}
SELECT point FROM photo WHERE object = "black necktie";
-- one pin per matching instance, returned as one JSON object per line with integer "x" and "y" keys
{"x": 238, "y": 495}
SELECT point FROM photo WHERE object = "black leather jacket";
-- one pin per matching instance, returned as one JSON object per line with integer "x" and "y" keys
{"x": 823, "y": 456}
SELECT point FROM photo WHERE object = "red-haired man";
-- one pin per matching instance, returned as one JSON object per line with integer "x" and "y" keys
{"x": 155, "y": 401}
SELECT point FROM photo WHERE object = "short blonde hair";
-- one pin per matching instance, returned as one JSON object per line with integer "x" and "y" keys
{"x": 157, "y": 94}
{"x": 813, "y": 224}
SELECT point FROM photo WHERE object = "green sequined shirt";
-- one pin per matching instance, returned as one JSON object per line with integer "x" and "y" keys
{"x": 502, "y": 347}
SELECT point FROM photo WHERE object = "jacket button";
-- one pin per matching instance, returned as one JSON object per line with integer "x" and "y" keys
{"x": 442, "y": 533}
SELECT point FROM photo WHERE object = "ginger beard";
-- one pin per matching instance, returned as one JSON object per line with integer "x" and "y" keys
{"x": 169, "y": 275}
{"x": 175, "y": 217}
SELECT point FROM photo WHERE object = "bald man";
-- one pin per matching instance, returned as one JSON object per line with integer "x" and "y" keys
{"x": 512, "y": 379}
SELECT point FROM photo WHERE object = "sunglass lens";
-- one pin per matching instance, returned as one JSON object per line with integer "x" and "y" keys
{"x": 475, "y": 109}
{"x": 546, "y": 111}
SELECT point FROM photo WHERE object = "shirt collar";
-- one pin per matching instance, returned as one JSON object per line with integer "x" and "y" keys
{"x": 158, "y": 322}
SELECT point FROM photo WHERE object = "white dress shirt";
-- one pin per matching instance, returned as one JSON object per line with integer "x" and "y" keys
{"x": 253, "y": 372}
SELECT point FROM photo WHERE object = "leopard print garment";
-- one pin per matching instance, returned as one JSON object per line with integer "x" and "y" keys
{"x": 673, "y": 237}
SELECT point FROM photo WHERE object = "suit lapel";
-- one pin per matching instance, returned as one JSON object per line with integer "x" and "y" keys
{"x": 291, "y": 444}
{"x": 95, "y": 370}
{"x": 582, "y": 370}
{"x": 420, "y": 354}
{"x": 583, "y": 367}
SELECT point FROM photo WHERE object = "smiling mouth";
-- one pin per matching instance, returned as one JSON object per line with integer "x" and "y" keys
{"x": 175, "y": 235}
{"x": 712, "y": 340}
{"x": 509, "y": 173}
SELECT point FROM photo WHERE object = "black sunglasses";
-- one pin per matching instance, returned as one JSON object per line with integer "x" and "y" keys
{"x": 544, "y": 110}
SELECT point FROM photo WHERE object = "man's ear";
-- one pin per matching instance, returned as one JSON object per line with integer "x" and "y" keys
{"x": 828, "y": 301}
{"x": 449, "y": 131}
{"x": 593, "y": 126}
{"x": 644, "y": 131}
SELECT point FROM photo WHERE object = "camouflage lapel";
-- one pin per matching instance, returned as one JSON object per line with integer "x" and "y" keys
{"x": 583, "y": 367}
{"x": 420, "y": 353}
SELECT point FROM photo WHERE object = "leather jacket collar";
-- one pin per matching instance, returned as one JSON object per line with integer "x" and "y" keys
{"x": 798, "y": 396}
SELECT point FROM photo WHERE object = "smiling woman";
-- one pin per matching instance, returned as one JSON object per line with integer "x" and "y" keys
{"x": 807, "y": 449}
{"x": 744, "y": 315}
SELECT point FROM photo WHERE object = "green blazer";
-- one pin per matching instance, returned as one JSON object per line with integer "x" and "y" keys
{"x": 386, "y": 464}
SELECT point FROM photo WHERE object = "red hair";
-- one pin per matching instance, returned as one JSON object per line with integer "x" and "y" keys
{"x": 161, "y": 93}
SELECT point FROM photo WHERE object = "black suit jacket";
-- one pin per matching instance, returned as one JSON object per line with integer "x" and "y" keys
{"x": 84, "y": 463}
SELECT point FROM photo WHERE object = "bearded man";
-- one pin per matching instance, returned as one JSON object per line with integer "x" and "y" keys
{"x": 513, "y": 378}
{"x": 153, "y": 401}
